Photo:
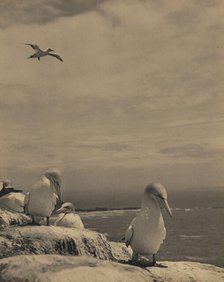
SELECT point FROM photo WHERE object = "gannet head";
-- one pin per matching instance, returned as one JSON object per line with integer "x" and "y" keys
{"x": 54, "y": 175}
{"x": 66, "y": 208}
{"x": 6, "y": 183}
{"x": 50, "y": 50}
{"x": 158, "y": 192}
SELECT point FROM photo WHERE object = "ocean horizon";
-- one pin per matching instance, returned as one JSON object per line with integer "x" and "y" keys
{"x": 110, "y": 200}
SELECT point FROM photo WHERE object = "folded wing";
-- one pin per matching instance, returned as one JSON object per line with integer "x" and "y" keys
{"x": 128, "y": 235}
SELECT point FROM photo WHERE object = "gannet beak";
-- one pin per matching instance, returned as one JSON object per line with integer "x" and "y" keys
{"x": 167, "y": 207}
{"x": 59, "y": 210}
{"x": 57, "y": 188}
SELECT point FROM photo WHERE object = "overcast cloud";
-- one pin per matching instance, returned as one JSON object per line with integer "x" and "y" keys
{"x": 139, "y": 97}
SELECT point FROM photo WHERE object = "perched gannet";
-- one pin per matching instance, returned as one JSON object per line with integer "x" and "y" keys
{"x": 147, "y": 231}
{"x": 67, "y": 217}
{"x": 41, "y": 53}
{"x": 44, "y": 196}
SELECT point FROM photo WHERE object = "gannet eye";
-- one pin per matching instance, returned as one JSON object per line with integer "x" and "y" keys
{"x": 57, "y": 182}
{"x": 160, "y": 197}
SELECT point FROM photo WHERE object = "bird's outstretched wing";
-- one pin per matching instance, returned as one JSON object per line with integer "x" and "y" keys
{"x": 34, "y": 46}
{"x": 128, "y": 235}
{"x": 56, "y": 56}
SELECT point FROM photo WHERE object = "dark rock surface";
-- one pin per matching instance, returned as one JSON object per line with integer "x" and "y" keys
{"x": 59, "y": 240}
{"x": 8, "y": 218}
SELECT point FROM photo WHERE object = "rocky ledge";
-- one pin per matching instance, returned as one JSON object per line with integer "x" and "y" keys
{"x": 8, "y": 218}
{"x": 26, "y": 240}
{"x": 57, "y": 268}
{"x": 51, "y": 253}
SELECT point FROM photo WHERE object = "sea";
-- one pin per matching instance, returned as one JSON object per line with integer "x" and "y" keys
{"x": 194, "y": 233}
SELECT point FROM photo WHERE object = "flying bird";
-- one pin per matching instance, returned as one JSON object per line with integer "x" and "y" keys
{"x": 45, "y": 196}
{"x": 147, "y": 231}
{"x": 67, "y": 217}
{"x": 42, "y": 53}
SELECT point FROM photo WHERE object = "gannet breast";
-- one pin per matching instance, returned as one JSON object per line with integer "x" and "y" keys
{"x": 69, "y": 220}
{"x": 148, "y": 234}
{"x": 41, "y": 199}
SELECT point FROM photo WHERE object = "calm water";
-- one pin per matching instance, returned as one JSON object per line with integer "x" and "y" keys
{"x": 196, "y": 231}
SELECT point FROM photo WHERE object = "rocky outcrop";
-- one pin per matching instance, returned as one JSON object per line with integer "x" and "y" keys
{"x": 53, "y": 253}
{"x": 8, "y": 218}
{"x": 57, "y": 268}
{"x": 59, "y": 240}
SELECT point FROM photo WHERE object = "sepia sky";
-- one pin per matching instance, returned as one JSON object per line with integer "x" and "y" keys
{"x": 138, "y": 98}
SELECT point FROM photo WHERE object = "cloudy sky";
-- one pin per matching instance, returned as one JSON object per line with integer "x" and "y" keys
{"x": 138, "y": 98}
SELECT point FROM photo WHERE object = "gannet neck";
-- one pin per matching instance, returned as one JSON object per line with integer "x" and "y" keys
{"x": 149, "y": 204}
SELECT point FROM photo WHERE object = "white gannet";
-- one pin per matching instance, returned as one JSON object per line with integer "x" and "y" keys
{"x": 44, "y": 196}
{"x": 42, "y": 53}
{"x": 67, "y": 217}
{"x": 147, "y": 231}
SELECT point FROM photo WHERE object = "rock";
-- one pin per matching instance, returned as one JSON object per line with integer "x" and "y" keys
{"x": 26, "y": 239}
{"x": 13, "y": 218}
{"x": 59, "y": 240}
{"x": 57, "y": 268}
{"x": 120, "y": 251}
{"x": 53, "y": 253}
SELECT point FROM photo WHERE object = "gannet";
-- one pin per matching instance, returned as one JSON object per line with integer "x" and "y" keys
{"x": 67, "y": 217}
{"x": 41, "y": 53}
{"x": 147, "y": 231}
{"x": 44, "y": 196}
